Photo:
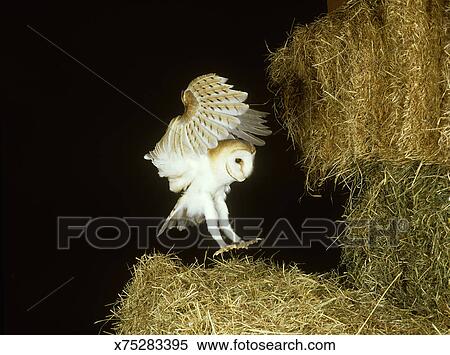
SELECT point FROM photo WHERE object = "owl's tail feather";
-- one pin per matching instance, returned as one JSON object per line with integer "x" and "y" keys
{"x": 176, "y": 213}
{"x": 179, "y": 218}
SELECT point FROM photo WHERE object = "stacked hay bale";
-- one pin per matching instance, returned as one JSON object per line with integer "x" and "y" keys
{"x": 246, "y": 296}
{"x": 364, "y": 94}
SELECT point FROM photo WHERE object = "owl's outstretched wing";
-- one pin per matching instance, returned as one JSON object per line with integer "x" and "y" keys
{"x": 213, "y": 112}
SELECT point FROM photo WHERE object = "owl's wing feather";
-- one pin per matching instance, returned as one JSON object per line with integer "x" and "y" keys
{"x": 213, "y": 112}
{"x": 252, "y": 123}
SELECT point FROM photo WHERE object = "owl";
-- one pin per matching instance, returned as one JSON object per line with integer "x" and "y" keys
{"x": 206, "y": 149}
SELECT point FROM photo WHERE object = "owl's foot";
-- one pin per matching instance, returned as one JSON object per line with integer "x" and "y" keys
{"x": 240, "y": 245}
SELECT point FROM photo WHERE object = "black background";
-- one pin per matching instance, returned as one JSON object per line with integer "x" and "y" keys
{"x": 73, "y": 146}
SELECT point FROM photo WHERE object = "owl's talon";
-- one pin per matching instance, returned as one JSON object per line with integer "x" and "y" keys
{"x": 240, "y": 245}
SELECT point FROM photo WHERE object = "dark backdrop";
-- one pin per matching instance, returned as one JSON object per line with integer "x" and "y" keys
{"x": 73, "y": 146}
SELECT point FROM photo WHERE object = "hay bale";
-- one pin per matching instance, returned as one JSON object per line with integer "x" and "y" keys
{"x": 247, "y": 296}
{"x": 400, "y": 224}
{"x": 364, "y": 94}
{"x": 368, "y": 82}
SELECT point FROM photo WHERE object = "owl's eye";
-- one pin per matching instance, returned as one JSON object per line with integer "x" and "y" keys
{"x": 238, "y": 160}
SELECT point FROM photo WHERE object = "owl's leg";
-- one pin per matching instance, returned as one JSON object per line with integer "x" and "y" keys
{"x": 224, "y": 222}
{"x": 211, "y": 218}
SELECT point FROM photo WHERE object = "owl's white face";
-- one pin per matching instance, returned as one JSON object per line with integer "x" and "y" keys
{"x": 232, "y": 160}
{"x": 239, "y": 164}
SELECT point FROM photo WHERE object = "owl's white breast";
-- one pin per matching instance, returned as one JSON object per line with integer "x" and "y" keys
{"x": 207, "y": 177}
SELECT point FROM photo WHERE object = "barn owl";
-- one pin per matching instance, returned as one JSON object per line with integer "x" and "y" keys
{"x": 206, "y": 149}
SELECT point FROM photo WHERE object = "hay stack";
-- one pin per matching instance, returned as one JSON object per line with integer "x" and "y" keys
{"x": 364, "y": 93}
{"x": 368, "y": 82}
{"x": 400, "y": 225}
{"x": 246, "y": 296}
